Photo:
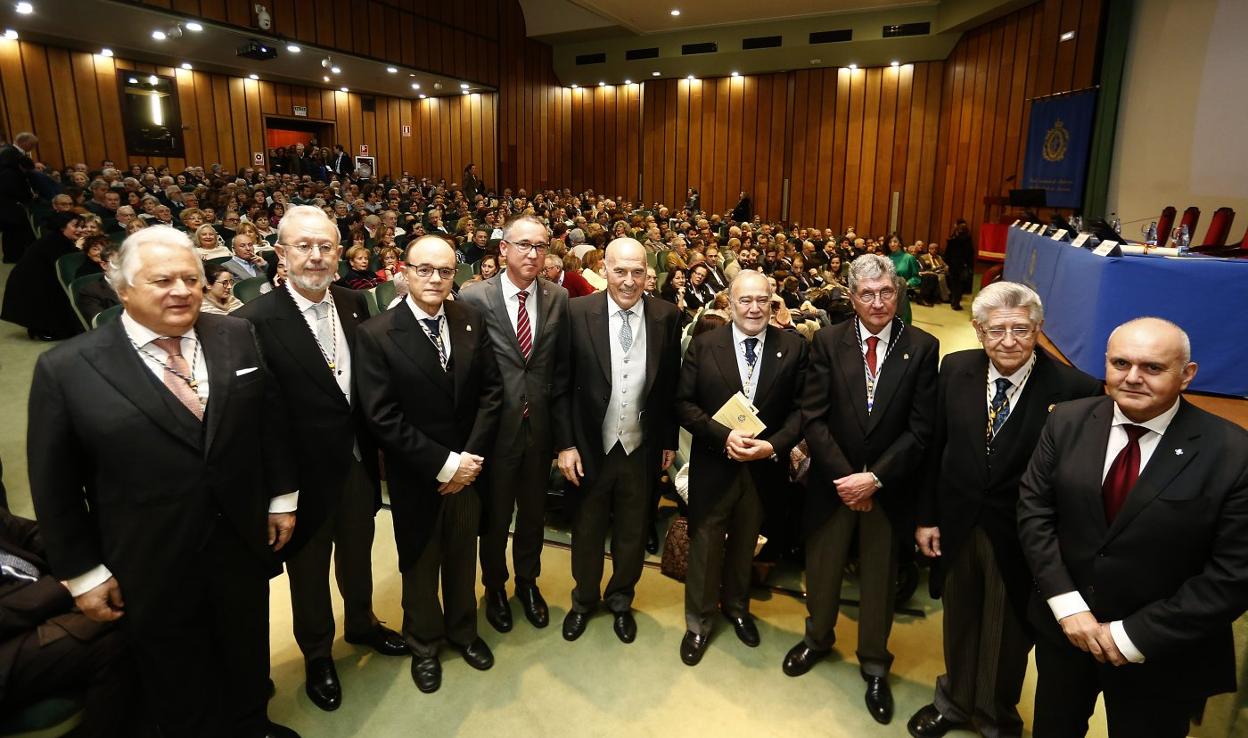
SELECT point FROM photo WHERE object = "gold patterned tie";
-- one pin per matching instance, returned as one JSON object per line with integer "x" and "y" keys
{"x": 180, "y": 388}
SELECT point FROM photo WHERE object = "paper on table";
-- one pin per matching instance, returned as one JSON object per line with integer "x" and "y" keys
{"x": 1080, "y": 239}
{"x": 738, "y": 414}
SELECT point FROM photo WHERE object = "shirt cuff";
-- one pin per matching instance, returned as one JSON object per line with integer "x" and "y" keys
{"x": 84, "y": 583}
{"x": 449, "y": 468}
{"x": 286, "y": 503}
{"x": 1124, "y": 644}
{"x": 1065, "y": 605}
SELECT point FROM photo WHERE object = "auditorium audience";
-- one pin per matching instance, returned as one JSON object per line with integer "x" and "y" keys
{"x": 33, "y": 295}
{"x": 219, "y": 296}
{"x": 358, "y": 276}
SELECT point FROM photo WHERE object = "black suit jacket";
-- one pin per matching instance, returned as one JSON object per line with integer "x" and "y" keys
{"x": 890, "y": 441}
{"x": 965, "y": 484}
{"x": 313, "y": 403}
{"x": 342, "y": 163}
{"x": 708, "y": 378}
{"x": 123, "y": 475}
{"x": 16, "y": 172}
{"x": 419, "y": 413}
{"x": 590, "y": 369}
{"x": 1173, "y": 564}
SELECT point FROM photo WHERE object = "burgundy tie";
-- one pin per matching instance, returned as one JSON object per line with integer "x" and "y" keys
{"x": 524, "y": 334}
{"x": 872, "y": 342}
{"x": 1122, "y": 473}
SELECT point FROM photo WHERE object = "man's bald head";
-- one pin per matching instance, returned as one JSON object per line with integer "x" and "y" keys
{"x": 1147, "y": 366}
{"x": 625, "y": 248}
{"x": 1163, "y": 332}
{"x": 626, "y": 271}
{"x": 430, "y": 250}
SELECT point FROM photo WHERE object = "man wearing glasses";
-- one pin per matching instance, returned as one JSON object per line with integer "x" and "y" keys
{"x": 307, "y": 332}
{"x": 430, "y": 391}
{"x": 527, "y": 323}
{"x": 992, "y": 404}
{"x": 867, "y": 416}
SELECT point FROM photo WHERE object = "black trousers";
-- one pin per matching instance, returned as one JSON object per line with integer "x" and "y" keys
{"x": 616, "y": 501}
{"x": 201, "y": 642}
{"x": 960, "y": 278}
{"x": 721, "y": 555}
{"x": 986, "y": 645}
{"x": 15, "y": 231}
{"x": 99, "y": 666}
{"x": 451, "y": 556}
{"x": 348, "y": 535}
{"x": 1068, "y": 682}
{"x": 517, "y": 483}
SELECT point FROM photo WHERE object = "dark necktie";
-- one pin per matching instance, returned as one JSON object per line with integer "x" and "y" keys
{"x": 1122, "y": 473}
{"x": 751, "y": 356}
{"x": 433, "y": 328}
{"x": 1000, "y": 408}
{"x": 15, "y": 567}
{"x": 872, "y": 342}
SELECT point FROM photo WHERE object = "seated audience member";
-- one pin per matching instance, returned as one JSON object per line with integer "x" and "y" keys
{"x": 219, "y": 296}
{"x": 358, "y": 276}
{"x": 673, "y": 290}
{"x": 935, "y": 273}
{"x": 790, "y": 293}
{"x": 228, "y": 225}
{"x": 94, "y": 247}
{"x": 572, "y": 281}
{"x": 33, "y": 295}
{"x": 47, "y": 648}
{"x": 594, "y": 269}
{"x": 91, "y": 226}
{"x": 488, "y": 267}
{"x": 698, "y": 292}
{"x": 277, "y": 280}
{"x": 245, "y": 264}
{"x": 652, "y": 281}
{"x": 264, "y": 228}
{"x": 191, "y": 219}
{"x": 209, "y": 245}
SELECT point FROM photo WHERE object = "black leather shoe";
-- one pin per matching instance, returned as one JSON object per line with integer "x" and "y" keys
{"x": 382, "y": 640}
{"x": 652, "y": 541}
{"x": 427, "y": 673}
{"x": 477, "y": 654}
{"x": 279, "y": 731}
{"x": 692, "y": 646}
{"x": 535, "y": 609}
{"x": 929, "y": 723}
{"x": 625, "y": 626}
{"x": 745, "y": 629}
{"x": 322, "y": 684}
{"x": 498, "y": 610}
{"x": 879, "y": 699}
{"x": 801, "y": 659}
{"x": 574, "y": 625}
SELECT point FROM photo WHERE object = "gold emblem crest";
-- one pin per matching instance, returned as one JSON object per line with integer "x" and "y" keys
{"x": 1056, "y": 141}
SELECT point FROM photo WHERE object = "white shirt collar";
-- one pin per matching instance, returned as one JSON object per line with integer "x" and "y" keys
{"x": 510, "y": 289}
{"x": 739, "y": 336}
{"x": 613, "y": 308}
{"x": 1016, "y": 378}
{"x": 302, "y": 303}
{"x": 1157, "y": 425}
{"x": 142, "y": 335}
{"x": 420, "y": 313}
{"x": 884, "y": 335}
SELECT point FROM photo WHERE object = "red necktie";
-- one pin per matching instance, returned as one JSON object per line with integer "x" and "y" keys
{"x": 1122, "y": 473}
{"x": 872, "y": 342}
{"x": 524, "y": 334}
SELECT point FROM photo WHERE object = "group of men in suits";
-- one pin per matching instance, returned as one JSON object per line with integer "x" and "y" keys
{"x": 244, "y": 425}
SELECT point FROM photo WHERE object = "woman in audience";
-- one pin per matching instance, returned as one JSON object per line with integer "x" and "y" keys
{"x": 93, "y": 247}
{"x": 277, "y": 209}
{"x": 91, "y": 226}
{"x": 264, "y": 229}
{"x": 33, "y": 295}
{"x": 391, "y": 265}
{"x": 486, "y": 268}
{"x": 135, "y": 225}
{"x": 595, "y": 269}
{"x": 209, "y": 243}
{"x": 673, "y": 290}
{"x": 358, "y": 277}
{"x": 219, "y": 296}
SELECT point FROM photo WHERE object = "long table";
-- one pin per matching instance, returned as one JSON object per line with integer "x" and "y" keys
{"x": 1085, "y": 296}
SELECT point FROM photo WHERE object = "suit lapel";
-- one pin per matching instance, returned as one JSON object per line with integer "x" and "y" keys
{"x": 772, "y": 356}
{"x": 221, "y": 361}
{"x": 412, "y": 341}
{"x": 599, "y": 325}
{"x": 495, "y": 295}
{"x": 1176, "y": 449}
{"x": 970, "y": 392}
{"x": 849, "y": 359}
{"x": 119, "y": 365}
{"x": 1089, "y": 454}
{"x": 725, "y": 358}
{"x": 294, "y": 334}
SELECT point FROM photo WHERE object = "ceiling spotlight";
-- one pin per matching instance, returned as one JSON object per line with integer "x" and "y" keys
{"x": 253, "y": 76}
{"x": 10, "y": 34}
{"x": 193, "y": 26}
{"x": 675, "y": 11}
{"x": 853, "y": 67}
{"x": 344, "y": 89}
{"x": 153, "y": 80}
{"x": 186, "y": 65}
{"x": 327, "y": 62}
{"x": 691, "y": 78}
{"x": 158, "y": 35}
{"x": 628, "y": 81}
{"x": 293, "y": 48}
{"x": 25, "y": 8}
{"x": 411, "y": 74}
{"x": 415, "y": 85}
{"x": 463, "y": 85}
{"x": 736, "y": 74}
{"x": 575, "y": 85}
{"x": 391, "y": 70}
{"x": 602, "y": 84}
{"x": 423, "y": 96}
{"x": 336, "y": 70}
{"x": 654, "y": 74}
{"x": 106, "y": 52}
{"x": 133, "y": 81}
{"x": 894, "y": 63}
{"x": 467, "y": 92}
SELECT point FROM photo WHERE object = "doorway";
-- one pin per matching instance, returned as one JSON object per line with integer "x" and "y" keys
{"x": 284, "y": 132}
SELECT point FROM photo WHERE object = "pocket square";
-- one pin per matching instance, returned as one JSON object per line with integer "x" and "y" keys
{"x": 248, "y": 370}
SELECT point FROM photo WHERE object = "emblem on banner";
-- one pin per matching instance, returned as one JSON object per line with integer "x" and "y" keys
{"x": 1056, "y": 141}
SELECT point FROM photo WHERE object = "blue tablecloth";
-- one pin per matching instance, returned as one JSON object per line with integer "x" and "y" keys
{"x": 1085, "y": 296}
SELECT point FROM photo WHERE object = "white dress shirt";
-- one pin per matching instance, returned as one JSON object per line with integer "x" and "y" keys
{"x": 749, "y": 379}
{"x": 342, "y": 355}
{"x": 1072, "y": 603}
{"x": 154, "y": 359}
{"x": 451, "y": 465}
{"x": 510, "y": 290}
{"x": 1018, "y": 380}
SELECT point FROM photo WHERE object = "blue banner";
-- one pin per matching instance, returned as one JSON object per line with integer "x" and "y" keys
{"x": 1058, "y": 141}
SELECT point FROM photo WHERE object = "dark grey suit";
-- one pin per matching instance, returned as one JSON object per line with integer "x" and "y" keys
{"x": 520, "y": 470}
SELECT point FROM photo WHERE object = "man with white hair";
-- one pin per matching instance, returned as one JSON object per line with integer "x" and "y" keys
{"x": 991, "y": 406}
{"x": 1133, "y": 516}
{"x": 169, "y": 520}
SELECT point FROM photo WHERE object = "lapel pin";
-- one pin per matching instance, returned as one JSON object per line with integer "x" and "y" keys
{"x": 1051, "y": 407}
{"x": 779, "y": 355}
{"x": 469, "y": 328}
{"x": 355, "y": 315}
{"x": 906, "y": 356}
{"x": 1178, "y": 452}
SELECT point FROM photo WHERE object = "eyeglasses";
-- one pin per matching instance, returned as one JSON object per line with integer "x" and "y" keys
{"x": 325, "y": 248}
{"x": 425, "y": 271}
{"x": 868, "y": 298}
{"x": 225, "y": 283}
{"x": 525, "y": 247}
{"x": 1020, "y": 332}
{"x": 747, "y": 302}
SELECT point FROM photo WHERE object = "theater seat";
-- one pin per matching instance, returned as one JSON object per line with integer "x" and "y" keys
{"x": 55, "y": 716}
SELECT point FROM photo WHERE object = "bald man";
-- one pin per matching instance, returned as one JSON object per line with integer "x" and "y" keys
{"x": 1133, "y": 516}
{"x": 625, "y": 359}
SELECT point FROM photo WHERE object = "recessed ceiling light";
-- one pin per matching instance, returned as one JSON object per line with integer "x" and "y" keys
{"x": 602, "y": 84}
{"x": 423, "y": 96}
{"x": 106, "y": 52}
{"x": 852, "y": 67}
{"x": 186, "y": 65}
{"x": 575, "y": 85}
{"x": 391, "y": 70}
{"x": 326, "y": 78}
{"x": 159, "y": 35}
{"x": 253, "y": 76}
{"x": 153, "y": 79}
{"x": 193, "y": 26}
{"x": 336, "y": 70}
{"x": 691, "y": 78}
{"x": 736, "y": 74}
{"x": 415, "y": 85}
{"x": 411, "y": 74}
{"x": 293, "y": 48}
{"x": 654, "y": 74}
{"x": 463, "y": 85}
{"x": 344, "y": 89}
{"x": 675, "y": 11}
{"x": 10, "y": 34}
{"x": 25, "y": 8}
{"x": 894, "y": 63}
{"x": 628, "y": 81}
{"x": 467, "y": 92}
{"x": 133, "y": 81}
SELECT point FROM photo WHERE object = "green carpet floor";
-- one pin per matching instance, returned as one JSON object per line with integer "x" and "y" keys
{"x": 597, "y": 686}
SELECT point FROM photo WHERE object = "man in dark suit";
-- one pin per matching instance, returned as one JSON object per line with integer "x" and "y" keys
{"x": 180, "y": 490}
{"x": 16, "y": 191}
{"x": 527, "y": 320}
{"x": 715, "y": 277}
{"x": 430, "y": 390}
{"x": 341, "y": 162}
{"x": 1133, "y": 515}
{"x": 307, "y": 332}
{"x": 46, "y": 649}
{"x": 990, "y": 407}
{"x": 621, "y": 431}
{"x": 867, "y": 417}
{"x": 731, "y": 472}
